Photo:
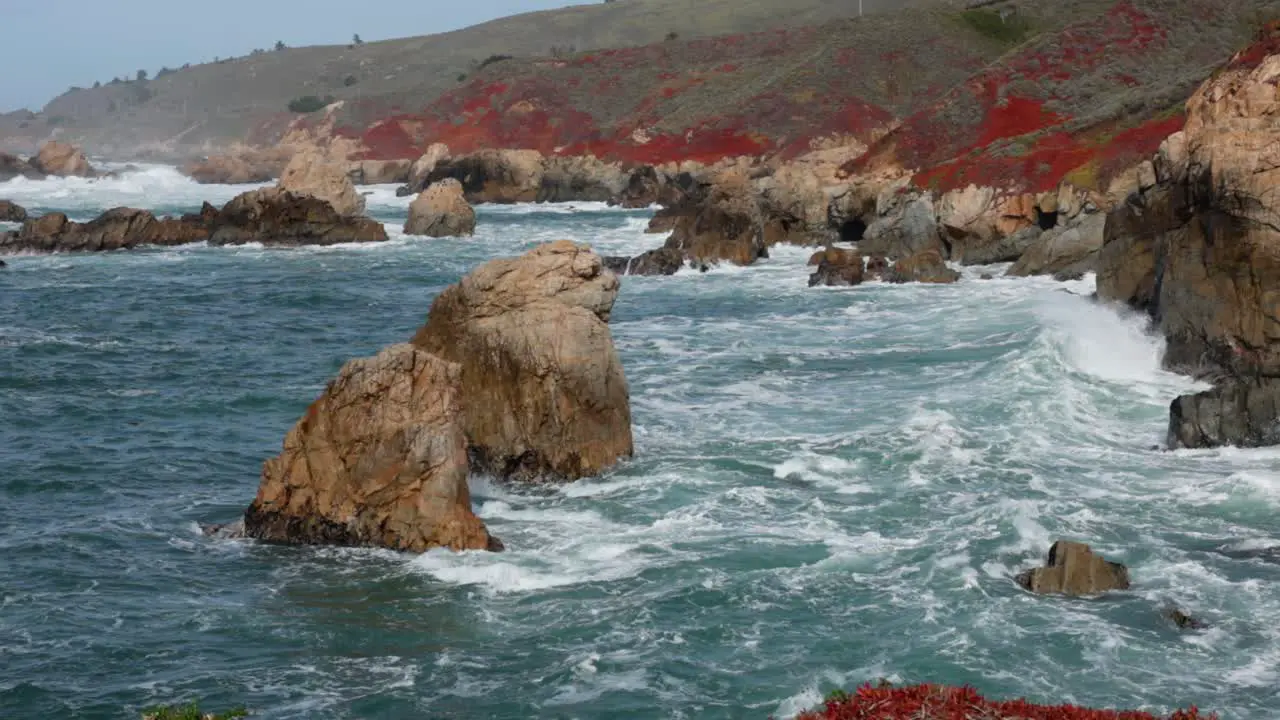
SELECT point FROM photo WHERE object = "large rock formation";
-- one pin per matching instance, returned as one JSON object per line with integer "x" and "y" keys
{"x": 310, "y": 173}
{"x": 441, "y": 211}
{"x": 907, "y": 225}
{"x": 724, "y": 226}
{"x": 62, "y": 160}
{"x": 1073, "y": 569}
{"x": 544, "y": 395}
{"x": 492, "y": 176}
{"x": 117, "y": 229}
{"x": 277, "y": 217}
{"x": 12, "y": 212}
{"x": 424, "y": 166}
{"x": 1199, "y": 249}
{"x": 1064, "y": 250}
{"x": 923, "y": 267}
{"x": 1008, "y": 248}
{"x": 379, "y": 459}
{"x": 837, "y": 267}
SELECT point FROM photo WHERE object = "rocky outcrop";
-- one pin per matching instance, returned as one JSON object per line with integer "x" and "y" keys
{"x": 310, "y": 173}
{"x": 276, "y": 217}
{"x": 907, "y": 225}
{"x": 12, "y": 166}
{"x": 12, "y": 212}
{"x": 423, "y": 167}
{"x": 581, "y": 179}
{"x": 380, "y": 459}
{"x": 492, "y": 176}
{"x": 725, "y": 226}
{"x": 837, "y": 267}
{"x": 241, "y": 168}
{"x": 117, "y": 229}
{"x": 1245, "y": 413}
{"x": 544, "y": 394}
{"x": 1073, "y": 569}
{"x": 441, "y": 211}
{"x": 1066, "y": 250}
{"x": 923, "y": 267}
{"x": 1001, "y": 249}
{"x": 378, "y": 172}
{"x": 1197, "y": 246}
{"x": 62, "y": 160}
{"x": 663, "y": 261}
{"x": 644, "y": 188}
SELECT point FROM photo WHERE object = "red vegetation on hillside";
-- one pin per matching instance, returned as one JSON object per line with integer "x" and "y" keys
{"x": 934, "y": 702}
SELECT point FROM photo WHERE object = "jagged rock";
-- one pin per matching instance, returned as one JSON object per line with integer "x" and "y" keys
{"x": 380, "y": 459}
{"x": 1068, "y": 249}
{"x": 1001, "y": 249}
{"x": 277, "y": 217}
{"x": 12, "y": 212}
{"x": 1073, "y": 569}
{"x": 837, "y": 267}
{"x": 644, "y": 188}
{"x": 544, "y": 394}
{"x": 923, "y": 267}
{"x": 580, "y": 179}
{"x": 12, "y": 166}
{"x": 423, "y": 167}
{"x": 1243, "y": 413}
{"x": 909, "y": 228}
{"x": 725, "y": 227}
{"x": 663, "y": 261}
{"x": 986, "y": 276}
{"x": 1135, "y": 228}
{"x": 310, "y": 173}
{"x": 494, "y": 176}
{"x": 441, "y": 211}
{"x": 116, "y": 229}
{"x": 877, "y": 267}
{"x": 62, "y": 160}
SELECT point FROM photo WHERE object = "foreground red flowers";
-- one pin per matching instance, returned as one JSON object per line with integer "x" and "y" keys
{"x": 936, "y": 702}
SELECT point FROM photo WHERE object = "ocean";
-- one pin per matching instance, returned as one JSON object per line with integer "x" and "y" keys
{"x": 831, "y": 486}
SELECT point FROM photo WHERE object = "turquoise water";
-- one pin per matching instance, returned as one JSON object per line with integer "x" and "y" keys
{"x": 831, "y": 486}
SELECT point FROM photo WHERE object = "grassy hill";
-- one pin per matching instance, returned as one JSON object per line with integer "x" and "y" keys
{"x": 196, "y": 109}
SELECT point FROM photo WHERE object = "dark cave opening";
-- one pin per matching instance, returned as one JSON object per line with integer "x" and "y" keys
{"x": 1046, "y": 220}
{"x": 851, "y": 231}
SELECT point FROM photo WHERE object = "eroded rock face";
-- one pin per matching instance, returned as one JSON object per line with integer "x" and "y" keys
{"x": 62, "y": 160}
{"x": 116, "y": 229}
{"x": 544, "y": 394}
{"x": 1245, "y": 413}
{"x": 441, "y": 211}
{"x": 726, "y": 226}
{"x": 998, "y": 250}
{"x": 1068, "y": 250}
{"x": 310, "y": 173}
{"x": 923, "y": 267}
{"x": 1073, "y": 569}
{"x": 663, "y": 261}
{"x": 493, "y": 176}
{"x": 424, "y": 166}
{"x": 379, "y": 459}
{"x": 907, "y": 228}
{"x": 837, "y": 267}
{"x": 277, "y": 217}
{"x": 581, "y": 179}
{"x": 12, "y": 212}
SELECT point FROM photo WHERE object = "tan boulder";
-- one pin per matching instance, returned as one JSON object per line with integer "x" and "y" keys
{"x": 837, "y": 267}
{"x": 378, "y": 172}
{"x": 63, "y": 160}
{"x": 1073, "y": 569}
{"x": 545, "y": 397}
{"x": 311, "y": 173}
{"x": 241, "y": 166}
{"x": 278, "y": 217}
{"x": 379, "y": 459}
{"x": 441, "y": 211}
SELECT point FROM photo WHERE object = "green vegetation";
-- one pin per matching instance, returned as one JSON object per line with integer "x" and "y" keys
{"x": 1008, "y": 29}
{"x": 309, "y": 103}
{"x": 190, "y": 712}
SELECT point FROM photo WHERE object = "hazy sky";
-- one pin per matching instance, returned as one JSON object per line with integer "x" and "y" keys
{"x": 50, "y": 45}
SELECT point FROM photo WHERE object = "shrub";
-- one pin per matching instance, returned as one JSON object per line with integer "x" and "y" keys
{"x": 309, "y": 103}
{"x": 1010, "y": 30}
{"x": 190, "y": 712}
{"x": 493, "y": 59}
{"x": 462, "y": 77}
{"x": 349, "y": 80}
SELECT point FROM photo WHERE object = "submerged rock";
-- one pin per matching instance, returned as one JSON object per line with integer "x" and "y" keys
{"x": 379, "y": 459}
{"x": 1073, "y": 569}
{"x": 544, "y": 394}
{"x": 441, "y": 211}
{"x": 12, "y": 212}
{"x": 1182, "y": 620}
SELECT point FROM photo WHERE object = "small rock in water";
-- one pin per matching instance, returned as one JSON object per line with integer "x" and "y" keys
{"x": 227, "y": 531}
{"x": 1183, "y": 620}
{"x": 3, "y": 264}
{"x": 1074, "y": 569}
{"x": 986, "y": 276}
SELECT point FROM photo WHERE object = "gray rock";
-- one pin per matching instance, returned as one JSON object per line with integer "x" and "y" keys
{"x": 663, "y": 261}
{"x": 908, "y": 229}
{"x": 1000, "y": 250}
{"x": 1071, "y": 249}
{"x": 1243, "y": 413}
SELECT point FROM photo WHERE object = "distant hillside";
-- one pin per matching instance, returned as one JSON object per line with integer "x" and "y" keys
{"x": 204, "y": 107}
